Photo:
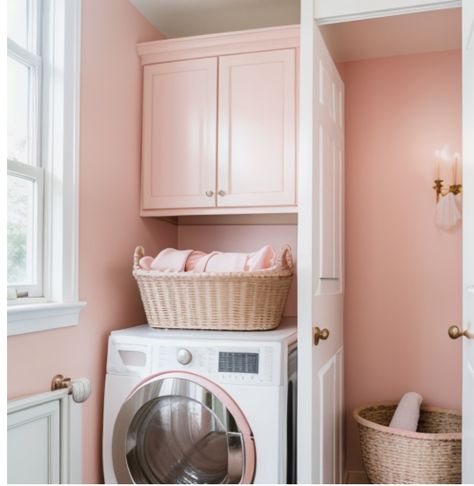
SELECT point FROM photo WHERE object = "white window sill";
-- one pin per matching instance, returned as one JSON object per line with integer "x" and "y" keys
{"x": 26, "y": 318}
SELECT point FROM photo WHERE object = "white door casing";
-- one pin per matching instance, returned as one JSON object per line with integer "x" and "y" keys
{"x": 330, "y": 11}
{"x": 468, "y": 240}
{"x": 320, "y": 259}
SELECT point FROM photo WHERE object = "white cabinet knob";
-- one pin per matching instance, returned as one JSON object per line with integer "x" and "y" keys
{"x": 184, "y": 356}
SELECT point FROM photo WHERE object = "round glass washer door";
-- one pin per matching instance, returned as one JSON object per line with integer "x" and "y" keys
{"x": 179, "y": 428}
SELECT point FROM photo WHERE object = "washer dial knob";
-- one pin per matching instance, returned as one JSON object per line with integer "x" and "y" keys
{"x": 184, "y": 356}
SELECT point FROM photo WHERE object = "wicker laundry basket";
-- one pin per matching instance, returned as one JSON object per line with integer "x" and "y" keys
{"x": 240, "y": 301}
{"x": 430, "y": 455}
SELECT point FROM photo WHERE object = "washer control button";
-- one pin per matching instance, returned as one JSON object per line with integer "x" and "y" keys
{"x": 184, "y": 356}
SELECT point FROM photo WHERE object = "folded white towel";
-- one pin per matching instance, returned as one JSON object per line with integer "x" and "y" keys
{"x": 407, "y": 414}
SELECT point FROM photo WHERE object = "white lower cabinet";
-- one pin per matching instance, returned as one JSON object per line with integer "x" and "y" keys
{"x": 34, "y": 445}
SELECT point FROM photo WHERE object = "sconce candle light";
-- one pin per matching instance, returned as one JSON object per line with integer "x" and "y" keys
{"x": 443, "y": 158}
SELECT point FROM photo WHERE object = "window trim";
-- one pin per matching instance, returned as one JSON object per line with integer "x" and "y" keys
{"x": 60, "y": 155}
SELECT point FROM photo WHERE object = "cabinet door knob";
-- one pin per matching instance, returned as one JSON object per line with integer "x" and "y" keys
{"x": 221, "y": 193}
{"x": 209, "y": 193}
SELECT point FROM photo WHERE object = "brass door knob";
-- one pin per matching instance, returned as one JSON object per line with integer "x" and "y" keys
{"x": 319, "y": 334}
{"x": 454, "y": 333}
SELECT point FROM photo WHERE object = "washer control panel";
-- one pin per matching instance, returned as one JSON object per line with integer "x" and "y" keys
{"x": 232, "y": 365}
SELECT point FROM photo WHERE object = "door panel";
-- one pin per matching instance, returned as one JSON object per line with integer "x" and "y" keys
{"x": 327, "y": 418}
{"x": 179, "y": 134}
{"x": 468, "y": 241}
{"x": 332, "y": 407}
{"x": 257, "y": 154}
{"x": 320, "y": 258}
{"x": 330, "y": 114}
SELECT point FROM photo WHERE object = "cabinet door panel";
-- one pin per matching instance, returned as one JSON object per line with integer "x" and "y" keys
{"x": 34, "y": 444}
{"x": 257, "y": 152}
{"x": 179, "y": 134}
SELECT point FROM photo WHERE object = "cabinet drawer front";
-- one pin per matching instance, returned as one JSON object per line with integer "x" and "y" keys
{"x": 179, "y": 134}
{"x": 257, "y": 129}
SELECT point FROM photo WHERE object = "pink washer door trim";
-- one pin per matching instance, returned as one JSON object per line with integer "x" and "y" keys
{"x": 228, "y": 401}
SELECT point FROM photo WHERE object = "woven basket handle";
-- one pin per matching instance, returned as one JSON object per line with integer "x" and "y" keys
{"x": 285, "y": 260}
{"x": 137, "y": 255}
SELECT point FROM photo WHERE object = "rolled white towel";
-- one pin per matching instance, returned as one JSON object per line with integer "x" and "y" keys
{"x": 407, "y": 414}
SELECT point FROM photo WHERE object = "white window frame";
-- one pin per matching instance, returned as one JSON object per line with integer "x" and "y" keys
{"x": 60, "y": 305}
{"x": 32, "y": 169}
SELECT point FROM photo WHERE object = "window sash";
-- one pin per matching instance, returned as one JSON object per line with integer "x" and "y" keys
{"x": 35, "y": 174}
{"x": 33, "y": 23}
{"x": 31, "y": 169}
{"x": 35, "y": 64}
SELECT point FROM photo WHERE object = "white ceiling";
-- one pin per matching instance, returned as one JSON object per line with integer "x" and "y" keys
{"x": 438, "y": 30}
{"x": 180, "y": 18}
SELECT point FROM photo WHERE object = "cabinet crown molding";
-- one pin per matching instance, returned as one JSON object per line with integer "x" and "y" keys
{"x": 219, "y": 44}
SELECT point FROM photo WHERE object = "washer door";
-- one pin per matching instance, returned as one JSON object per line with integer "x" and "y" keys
{"x": 179, "y": 428}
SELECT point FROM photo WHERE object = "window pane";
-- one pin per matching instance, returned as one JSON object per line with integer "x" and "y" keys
{"x": 18, "y": 21}
{"x": 20, "y": 232}
{"x": 18, "y": 95}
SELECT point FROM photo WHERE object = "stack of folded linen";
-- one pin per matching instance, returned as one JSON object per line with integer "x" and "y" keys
{"x": 172, "y": 260}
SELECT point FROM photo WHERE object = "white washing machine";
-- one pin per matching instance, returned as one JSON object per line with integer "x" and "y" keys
{"x": 200, "y": 406}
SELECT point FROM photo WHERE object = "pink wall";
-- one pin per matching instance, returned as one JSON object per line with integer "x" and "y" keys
{"x": 110, "y": 225}
{"x": 241, "y": 238}
{"x": 403, "y": 286}
{"x": 403, "y": 274}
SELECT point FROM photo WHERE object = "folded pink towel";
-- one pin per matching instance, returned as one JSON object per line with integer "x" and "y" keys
{"x": 407, "y": 414}
{"x": 221, "y": 262}
{"x": 193, "y": 259}
{"x": 171, "y": 260}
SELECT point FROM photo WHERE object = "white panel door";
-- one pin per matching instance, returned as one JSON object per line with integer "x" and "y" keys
{"x": 179, "y": 134}
{"x": 468, "y": 242}
{"x": 320, "y": 260}
{"x": 34, "y": 445}
{"x": 257, "y": 129}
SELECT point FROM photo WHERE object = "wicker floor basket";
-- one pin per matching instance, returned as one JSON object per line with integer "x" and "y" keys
{"x": 244, "y": 301}
{"x": 430, "y": 455}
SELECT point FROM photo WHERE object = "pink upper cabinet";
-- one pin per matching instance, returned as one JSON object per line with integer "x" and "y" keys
{"x": 257, "y": 155}
{"x": 179, "y": 134}
{"x": 219, "y": 123}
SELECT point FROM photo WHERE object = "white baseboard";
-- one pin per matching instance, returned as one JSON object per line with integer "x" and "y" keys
{"x": 356, "y": 477}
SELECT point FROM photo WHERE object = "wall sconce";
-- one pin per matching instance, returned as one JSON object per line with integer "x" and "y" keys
{"x": 448, "y": 207}
{"x": 445, "y": 163}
